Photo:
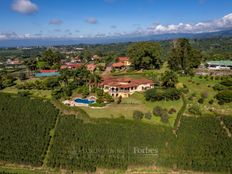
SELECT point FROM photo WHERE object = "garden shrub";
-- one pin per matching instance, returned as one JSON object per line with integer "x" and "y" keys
{"x": 165, "y": 94}
{"x": 148, "y": 115}
{"x": 157, "y": 111}
{"x": 172, "y": 111}
{"x": 219, "y": 87}
{"x": 224, "y": 96}
{"x": 211, "y": 101}
{"x": 201, "y": 100}
{"x": 227, "y": 82}
{"x": 138, "y": 115}
{"x": 195, "y": 110}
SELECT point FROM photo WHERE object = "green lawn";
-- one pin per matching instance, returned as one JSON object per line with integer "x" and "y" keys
{"x": 129, "y": 105}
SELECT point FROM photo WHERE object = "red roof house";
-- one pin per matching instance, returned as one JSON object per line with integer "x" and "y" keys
{"x": 91, "y": 67}
{"x": 123, "y": 59}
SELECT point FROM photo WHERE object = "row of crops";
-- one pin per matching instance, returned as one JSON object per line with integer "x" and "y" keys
{"x": 24, "y": 130}
{"x": 201, "y": 143}
{"x": 106, "y": 143}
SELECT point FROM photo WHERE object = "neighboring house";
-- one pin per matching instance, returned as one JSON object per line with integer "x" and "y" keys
{"x": 91, "y": 67}
{"x": 219, "y": 65}
{"x": 122, "y": 62}
{"x": 125, "y": 61}
{"x": 15, "y": 61}
{"x": 96, "y": 58}
{"x": 76, "y": 60}
{"x": 118, "y": 65}
{"x": 125, "y": 87}
{"x": 71, "y": 66}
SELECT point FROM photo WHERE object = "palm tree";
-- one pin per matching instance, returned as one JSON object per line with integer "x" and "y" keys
{"x": 65, "y": 75}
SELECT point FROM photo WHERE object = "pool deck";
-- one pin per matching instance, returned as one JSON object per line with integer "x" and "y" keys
{"x": 73, "y": 103}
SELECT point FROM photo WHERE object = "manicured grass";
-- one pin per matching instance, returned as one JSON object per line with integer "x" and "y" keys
{"x": 129, "y": 105}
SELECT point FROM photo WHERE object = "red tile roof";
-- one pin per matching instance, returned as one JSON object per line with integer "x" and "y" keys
{"x": 118, "y": 65}
{"x": 91, "y": 67}
{"x": 122, "y": 59}
{"x": 122, "y": 82}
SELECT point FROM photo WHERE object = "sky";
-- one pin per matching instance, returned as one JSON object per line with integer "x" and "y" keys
{"x": 43, "y": 19}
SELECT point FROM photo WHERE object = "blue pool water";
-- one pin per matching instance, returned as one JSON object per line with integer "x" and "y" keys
{"x": 84, "y": 101}
{"x": 47, "y": 74}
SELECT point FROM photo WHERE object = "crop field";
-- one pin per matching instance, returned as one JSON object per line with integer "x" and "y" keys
{"x": 106, "y": 143}
{"x": 112, "y": 143}
{"x": 202, "y": 145}
{"x": 25, "y": 128}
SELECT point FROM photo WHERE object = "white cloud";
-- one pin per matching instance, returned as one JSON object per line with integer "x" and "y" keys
{"x": 24, "y": 6}
{"x": 210, "y": 26}
{"x": 55, "y": 22}
{"x": 8, "y": 35}
{"x": 91, "y": 20}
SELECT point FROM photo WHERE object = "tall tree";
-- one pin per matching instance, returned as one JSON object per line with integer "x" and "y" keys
{"x": 145, "y": 55}
{"x": 52, "y": 58}
{"x": 183, "y": 57}
{"x": 169, "y": 79}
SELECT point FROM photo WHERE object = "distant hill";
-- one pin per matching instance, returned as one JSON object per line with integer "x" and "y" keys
{"x": 106, "y": 40}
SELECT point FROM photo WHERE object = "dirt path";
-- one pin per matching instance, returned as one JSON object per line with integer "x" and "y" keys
{"x": 107, "y": 71}
{"x": 180, "y": 115}
{"x": 226, "y": 129}
{"x": 52, "y": 133}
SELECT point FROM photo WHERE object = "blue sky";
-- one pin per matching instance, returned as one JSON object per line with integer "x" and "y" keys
{"x": 102, "y": 18}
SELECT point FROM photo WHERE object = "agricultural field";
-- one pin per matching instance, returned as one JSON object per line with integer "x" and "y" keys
{"x": 106, "y": 143}
{"x": 25, "y": 129}
{"x": 109, "y": 143}
{"x": 202, "y": 145}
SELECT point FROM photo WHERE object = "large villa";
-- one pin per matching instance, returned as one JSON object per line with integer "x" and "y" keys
{"x": 125, "y": 87}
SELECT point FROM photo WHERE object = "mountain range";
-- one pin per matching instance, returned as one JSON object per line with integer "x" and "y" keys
{"x": 107, "y": 40}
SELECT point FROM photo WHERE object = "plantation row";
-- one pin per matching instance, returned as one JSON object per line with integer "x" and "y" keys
{"x": 24, "y": 130}
{"x": 201, "y": 145}
{"x": 107, "y": 143}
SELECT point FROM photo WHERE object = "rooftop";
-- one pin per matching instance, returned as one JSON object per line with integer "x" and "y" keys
{"x": 122, "y": 59}
{"x": 221, "y": 63}
{"x": 118, "y": 65}
{"x": 124, "y": 82}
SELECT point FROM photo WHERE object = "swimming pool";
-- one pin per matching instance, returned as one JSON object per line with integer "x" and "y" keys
{"x": 51, "y": 74}
{"x": 84, "y": 101}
